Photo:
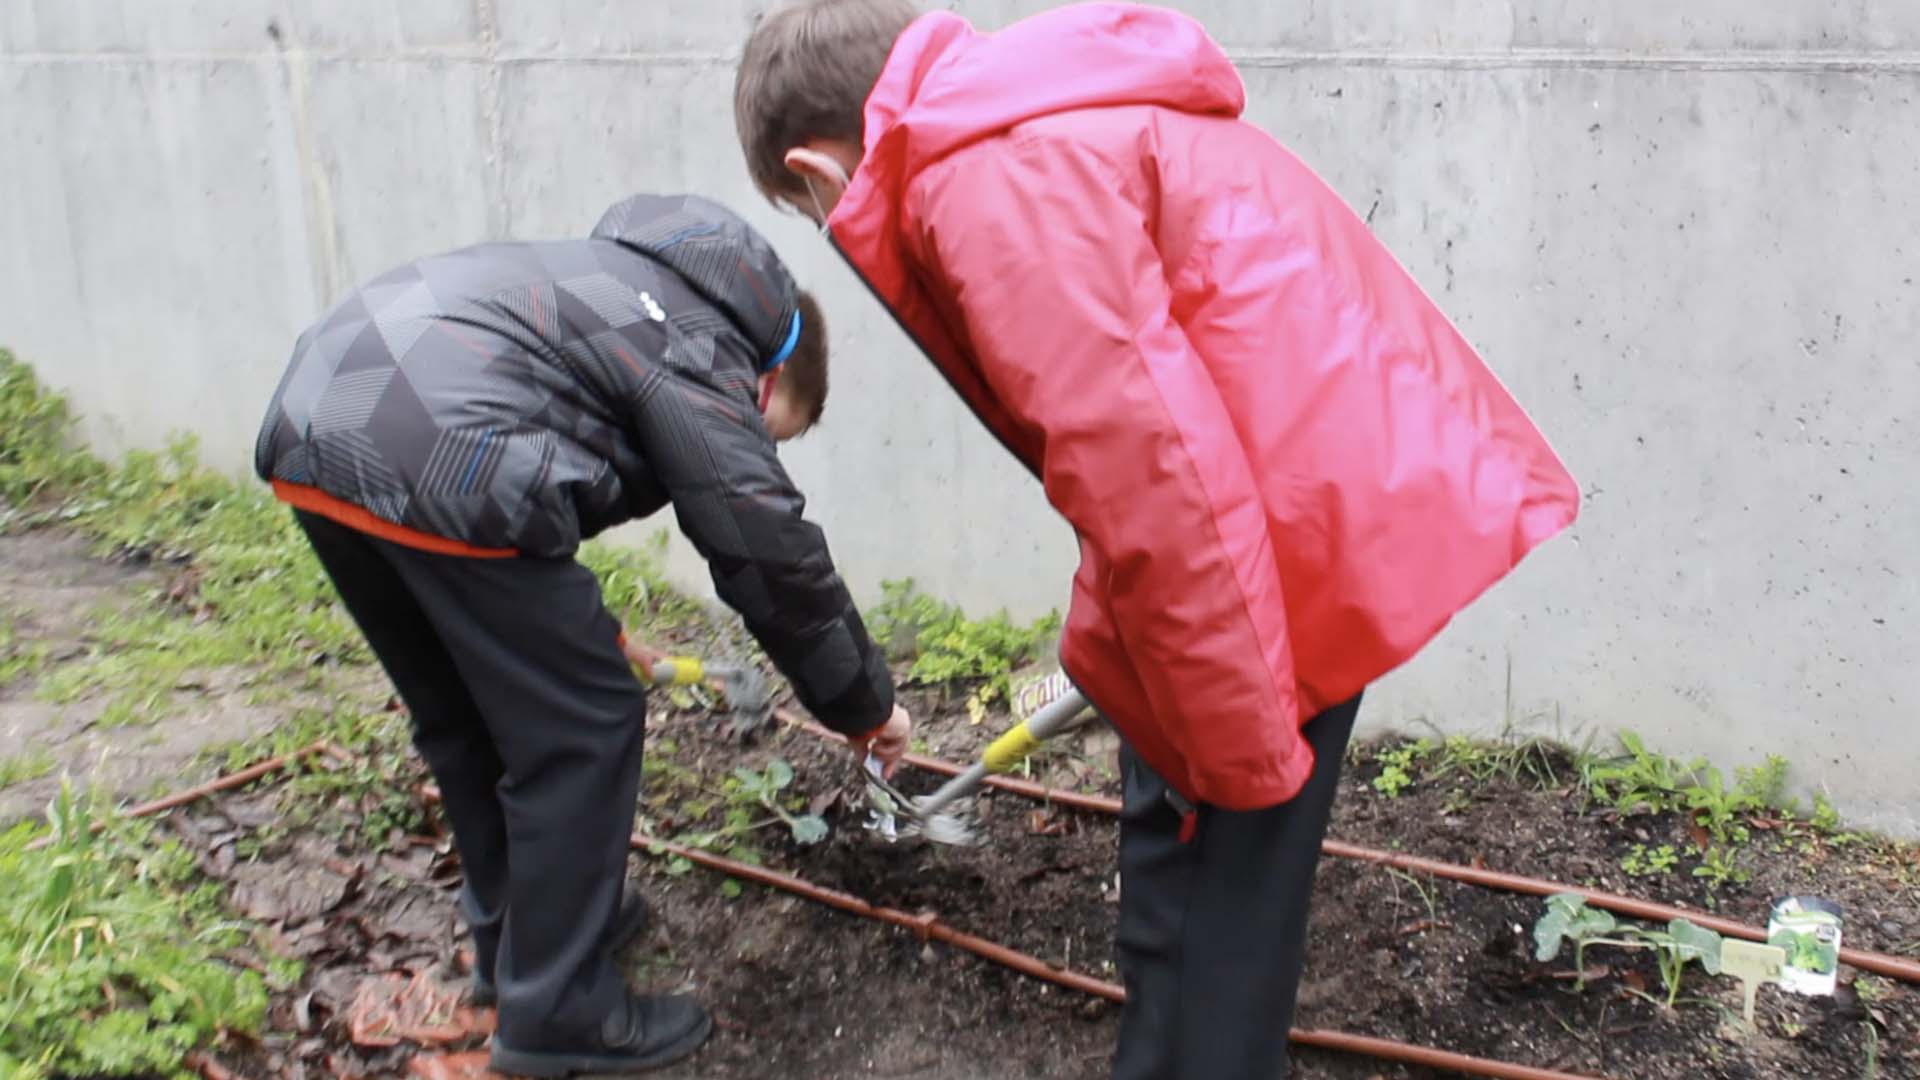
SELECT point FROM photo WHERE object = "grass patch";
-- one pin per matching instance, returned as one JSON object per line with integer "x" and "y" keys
{"x": 19, "y": 660}
{"x": 249, "y": 592}
{"x": 29, "y": 765}
{"x": 109, "y": 960}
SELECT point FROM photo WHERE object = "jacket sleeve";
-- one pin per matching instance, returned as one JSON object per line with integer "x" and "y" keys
{"x": 736, "y": 504}
{"x": 1046, "y": 258}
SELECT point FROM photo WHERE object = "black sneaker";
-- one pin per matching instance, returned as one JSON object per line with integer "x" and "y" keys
{"x": 627, "y": 927}
{"x": 644, "y": 1033}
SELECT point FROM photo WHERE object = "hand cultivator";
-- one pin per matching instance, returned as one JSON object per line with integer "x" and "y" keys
{"x": 930, "y": 815}
{"x": 749, "y": 699}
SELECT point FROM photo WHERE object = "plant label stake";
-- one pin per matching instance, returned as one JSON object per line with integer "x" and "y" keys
{"x": 1808, "y": 928}
{"x": 1752, "y": 963}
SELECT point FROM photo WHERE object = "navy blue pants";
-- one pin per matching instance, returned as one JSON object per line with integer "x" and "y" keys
{"x": 1213, "y": 931}
{"x": 531, "y": 722}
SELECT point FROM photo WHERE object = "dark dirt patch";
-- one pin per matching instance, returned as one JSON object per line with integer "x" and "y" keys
{"x": 799, "y": 990}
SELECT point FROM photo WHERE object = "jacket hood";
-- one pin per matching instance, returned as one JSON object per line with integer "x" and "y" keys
{"x": 947, "y": 85}
{"x": 721, "y": 256}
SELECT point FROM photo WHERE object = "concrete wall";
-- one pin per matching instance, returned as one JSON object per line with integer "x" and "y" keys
{"x": 1686, "y": 234}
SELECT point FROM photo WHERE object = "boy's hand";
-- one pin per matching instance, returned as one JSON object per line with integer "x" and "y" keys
{"x": 889, "y": 744}
{"x": 640, "y": 656}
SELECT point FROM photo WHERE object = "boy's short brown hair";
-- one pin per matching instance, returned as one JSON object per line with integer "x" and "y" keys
{"x": 805, "y": 372}
{"x": 805, "y": 74}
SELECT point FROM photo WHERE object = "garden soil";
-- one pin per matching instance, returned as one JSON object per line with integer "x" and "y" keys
{"x": 798, "y": 990}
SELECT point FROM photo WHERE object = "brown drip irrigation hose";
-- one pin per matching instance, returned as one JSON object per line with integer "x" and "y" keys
{"x": 222, "y": 783}
{"x": 926, "y": 926}
{"x": 930, "y": 927}
{"x": 1879, "y": 963}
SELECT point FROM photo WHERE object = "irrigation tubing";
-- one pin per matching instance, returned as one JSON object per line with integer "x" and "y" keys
{"x": 1879, "y": 963}
{"x": 1895, "y": 967}
{"x": 240, "y": 778}
{"x": 929, "y": 927}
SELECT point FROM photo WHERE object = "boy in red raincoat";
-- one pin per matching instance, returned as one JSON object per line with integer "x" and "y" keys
{"x": 1286, "y": 468}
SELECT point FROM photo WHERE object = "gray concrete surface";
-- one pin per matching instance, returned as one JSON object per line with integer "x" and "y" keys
{"x": 1686, "y": 234}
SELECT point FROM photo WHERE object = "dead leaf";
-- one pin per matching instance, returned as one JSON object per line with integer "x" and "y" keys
{"x": 303, "y": 1012}
{"x": 392, "y": 1008}
{"x": 414, "y": 917}
{"x": 413, "y": 866}
{"x": 252, "y": 811}
{"x": 821, "y": 803}
{"x": 1698, "y": 832}
{"x": 286, "y": 892}
{"x": 1043, "y": 823}
{"x": 470, "y": 1065}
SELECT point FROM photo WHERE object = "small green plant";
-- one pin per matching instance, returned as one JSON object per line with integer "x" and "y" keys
{"x": 1719, "y": 869}
{"x": 108, "y": 962}
{"x": 1715, "y": 807}
{"x": 1399, "y": 766}
{"x": 946, "y": 646}
{"x": 1642, "y": 781}
{"x": 764, "y": 787}
{"x": 1568, "y": 917}
{"x": 1642, "y": 861}
{"x": 1826, "y": 818}
{"x": 1765, "y": 785}
{"x": 1681, "y": 943}
{"x": 1423, "y": 888}
{"x": 1871, "y": 989}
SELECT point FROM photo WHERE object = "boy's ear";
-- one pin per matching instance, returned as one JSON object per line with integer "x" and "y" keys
{"x": 817, "y": 166}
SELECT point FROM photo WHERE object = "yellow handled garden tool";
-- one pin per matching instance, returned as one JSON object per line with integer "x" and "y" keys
{"x": 1002, "y": 755}
{"x": 749, "y": 700}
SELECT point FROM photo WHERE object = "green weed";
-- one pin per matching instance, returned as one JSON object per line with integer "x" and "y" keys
{"x": 18, "y": 659}
{"x": 108, "y": 965}
{"x": 1642, "y": 861}
{"x": 1642, "y": 781}
{"x": 30, "y": 765}
{"x": 946, "y": 646}
{"x": 1718, "y": 869}
{"x": 36, "y": 447}
{"x": 1399, "y": 767}
{"x": 636, "y": 588}
{"x": 369, "y": 799}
